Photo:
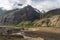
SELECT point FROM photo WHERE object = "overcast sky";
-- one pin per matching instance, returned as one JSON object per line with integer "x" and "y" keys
{"x": 39, "y": 4}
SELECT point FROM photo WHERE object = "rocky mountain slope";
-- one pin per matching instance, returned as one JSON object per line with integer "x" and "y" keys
{"x": 51, "y": 19}
{"x": 31, "y": 17}
{"x": 27, "y": 13}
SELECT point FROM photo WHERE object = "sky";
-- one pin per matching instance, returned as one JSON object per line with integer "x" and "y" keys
{"x": 39, "y": 4}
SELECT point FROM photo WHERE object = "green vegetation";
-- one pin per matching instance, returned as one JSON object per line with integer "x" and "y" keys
{"x": 27, "y": 25}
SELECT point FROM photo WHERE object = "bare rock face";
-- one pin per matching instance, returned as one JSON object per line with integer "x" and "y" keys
{"x": 17, "y": 16}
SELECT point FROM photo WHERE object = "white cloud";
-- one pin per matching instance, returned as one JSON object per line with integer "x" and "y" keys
{"x": 5, "y": 4}
{"x": 29, "y": 2}
{"x": 47, "y": 4}
{"x": 10, "y": 4}
{"x": 39, "y": 4}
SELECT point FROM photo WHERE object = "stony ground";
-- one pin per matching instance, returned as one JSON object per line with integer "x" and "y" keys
{"x": 18, "y": 38}
{"x": 41, "y": 33}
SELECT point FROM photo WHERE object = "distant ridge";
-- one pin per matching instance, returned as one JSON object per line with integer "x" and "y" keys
{"x": 52, "y": 12}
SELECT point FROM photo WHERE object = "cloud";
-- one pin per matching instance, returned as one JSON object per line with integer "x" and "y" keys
{"x": 39, "y": 4}
{"x": 28, "y": 2}
{"x": 5, "y": 4}
{"x": 11, "y": 4}
{"x": 46, "y": 4}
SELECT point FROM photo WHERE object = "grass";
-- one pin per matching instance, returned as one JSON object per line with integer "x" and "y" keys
{"x": 27, "y": 25}
{"x": 21, "y": 26}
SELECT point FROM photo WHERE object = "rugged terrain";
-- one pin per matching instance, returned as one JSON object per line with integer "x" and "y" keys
{"x": 29, "y": 16}
{"x": 39, "y": 33}
{"x": 50, "y": 19}
{"x": 46, "y": 25}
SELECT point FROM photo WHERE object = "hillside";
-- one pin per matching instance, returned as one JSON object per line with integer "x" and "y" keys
{"x": 52, "y": 13}
{"x": 50, "y": 19}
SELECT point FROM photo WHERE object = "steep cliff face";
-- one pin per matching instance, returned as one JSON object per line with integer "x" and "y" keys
{"x": 27, "y": 13}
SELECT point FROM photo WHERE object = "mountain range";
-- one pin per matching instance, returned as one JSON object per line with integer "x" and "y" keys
{"x": 29, "y": 15}
{"x": 16, "y": 16}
